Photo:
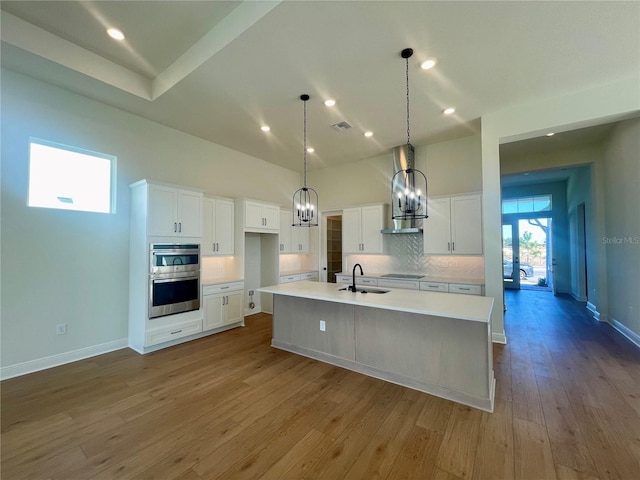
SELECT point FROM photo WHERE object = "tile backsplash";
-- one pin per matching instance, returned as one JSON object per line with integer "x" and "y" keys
{"x": 405, "y": 256}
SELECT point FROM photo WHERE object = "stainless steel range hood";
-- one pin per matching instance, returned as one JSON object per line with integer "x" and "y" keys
{"x": 403, "y": 157}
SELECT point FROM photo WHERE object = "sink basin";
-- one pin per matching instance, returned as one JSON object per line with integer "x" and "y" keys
{"x": 365, "y": 290}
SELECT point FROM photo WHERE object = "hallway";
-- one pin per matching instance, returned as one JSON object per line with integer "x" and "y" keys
{"x": 573, "y": 383}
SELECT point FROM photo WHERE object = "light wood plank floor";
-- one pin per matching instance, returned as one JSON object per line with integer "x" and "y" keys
{"x": 231, "y": 407}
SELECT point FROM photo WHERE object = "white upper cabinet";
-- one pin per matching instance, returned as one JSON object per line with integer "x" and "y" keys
{"x": 361, "y": 229}
{"x": 285, "y": 231}
{"x": 174, "y": 212}
{"x": 218, "y": 223}
{"x": 261, "y": 216}
{"x": 292, "y": 239}
{"x": 454, "y": 226}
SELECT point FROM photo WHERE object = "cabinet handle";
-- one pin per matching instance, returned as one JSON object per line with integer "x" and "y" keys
{"x": 217, "y": 247}
{"x": 449, "y": 246}
{"x": 176, "y": 331}
{"x": 179, "y": 226}
{"x": 453, "y": 246}
{"x": 223, "y": 288}
{"x": 464, "y": 288}
{"x": 175, "y": 227}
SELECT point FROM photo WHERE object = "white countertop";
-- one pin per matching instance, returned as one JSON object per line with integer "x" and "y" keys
{"x": 449, "y": 305}
{"x": 425, "y": 278}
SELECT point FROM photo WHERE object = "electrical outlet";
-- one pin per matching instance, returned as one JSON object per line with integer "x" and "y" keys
{"x": 61, "y": 329}
{"x": 323, "y": 326}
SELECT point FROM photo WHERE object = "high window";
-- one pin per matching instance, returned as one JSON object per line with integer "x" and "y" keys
{"x": 70, "y": 178}
{"x": 538, "y": 203}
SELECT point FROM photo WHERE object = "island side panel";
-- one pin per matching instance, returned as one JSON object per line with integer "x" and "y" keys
{"x": 435, "y": 350}
{"x": 296, "y": 321}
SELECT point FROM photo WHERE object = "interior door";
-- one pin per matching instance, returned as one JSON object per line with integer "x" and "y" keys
{"x": 511, "y": 255}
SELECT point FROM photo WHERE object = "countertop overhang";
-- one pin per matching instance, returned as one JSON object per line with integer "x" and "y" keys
{"x": 449, "y": 305}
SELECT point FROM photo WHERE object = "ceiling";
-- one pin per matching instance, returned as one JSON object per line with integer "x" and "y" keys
{"x": 219, "y": 70}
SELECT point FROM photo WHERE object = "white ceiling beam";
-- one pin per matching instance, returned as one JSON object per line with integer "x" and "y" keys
{"x": 33, "y": 39}
{"x": 230, "y": 28}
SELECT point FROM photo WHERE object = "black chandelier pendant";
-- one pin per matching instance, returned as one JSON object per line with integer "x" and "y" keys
{"x": 408, "y": 185}
{"x": 305, "y": 200}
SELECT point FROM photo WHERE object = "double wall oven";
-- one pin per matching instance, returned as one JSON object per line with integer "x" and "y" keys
{"x": 174, "y": 278}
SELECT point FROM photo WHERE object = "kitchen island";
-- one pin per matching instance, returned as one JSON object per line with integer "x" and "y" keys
{"x": 438, "y": 343}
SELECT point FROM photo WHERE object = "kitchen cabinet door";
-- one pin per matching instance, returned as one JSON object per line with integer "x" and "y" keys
{"x": 351, "y": 230}
{"x": 233, "y": 307}
{"x": 372, "y": 221}
{"x": 454, "y": 226}
{"x": 260, "y": 216}
{"x": 437, "y": 228}
{"x": 174, "y": 212}
{"x": 285, "y": 231}
{"x": 217, "y": 235}
{"x": 213, "y": 311}
{"x": 162, "y": 211}
{"x": 300, "y": 239}
{"x": 189, "y": 213}
{"x": 466, "y": 225}
{"x": 361, "y": 229}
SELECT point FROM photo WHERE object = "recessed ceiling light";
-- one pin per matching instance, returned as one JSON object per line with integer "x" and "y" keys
{"x": 311, "y": 150}
{"x": 330, "y": 102}
{"x": 265, "y": 128}
{"x": 449, "y": 111}
{"x": 115, "y": 33}
{"x": 550, "y": 134}
{"x": 428, "y": 64}
{"x": 368, "y": 134}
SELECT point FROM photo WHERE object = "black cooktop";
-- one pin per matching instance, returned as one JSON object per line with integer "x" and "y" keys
{"x": 402, "y": 275}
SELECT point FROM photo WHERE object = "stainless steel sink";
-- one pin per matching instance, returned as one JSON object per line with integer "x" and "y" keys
{"x": 365, "y": 290}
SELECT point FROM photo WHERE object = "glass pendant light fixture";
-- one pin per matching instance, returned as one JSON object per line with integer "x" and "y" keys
{"x": 408, "y": 185}
{"x": 305, "y": 200}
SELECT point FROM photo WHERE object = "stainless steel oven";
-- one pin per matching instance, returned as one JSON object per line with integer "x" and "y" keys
{"x": 174, "y": 278}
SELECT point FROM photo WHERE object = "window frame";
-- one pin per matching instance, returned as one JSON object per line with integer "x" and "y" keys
{"x": 113, "y": 160}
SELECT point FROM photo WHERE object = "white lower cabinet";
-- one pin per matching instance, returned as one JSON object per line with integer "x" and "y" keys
{"x": 434, "y": 286}
{"x": 172, "y": 332}
{"x": 296, "y": 277}
{"x": 222, "y": 304}
{"x": 360, "y": 280}
{"x": 465, "y": 289}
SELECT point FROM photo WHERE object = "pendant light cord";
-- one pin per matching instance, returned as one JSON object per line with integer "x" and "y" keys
{"x": 407, "y": 76}
{"x": 304, "y": 136}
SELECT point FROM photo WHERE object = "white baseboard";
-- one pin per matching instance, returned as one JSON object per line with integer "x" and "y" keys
{"x": 499, "y": 337}
{"x": 596, "y": 314}
{"x": 578, "y": 297}
{"x": 627, "y": 332}
{"x": 31, "y": 366}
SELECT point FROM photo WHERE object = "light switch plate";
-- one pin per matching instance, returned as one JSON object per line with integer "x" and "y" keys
{"x": 323, "y": 326}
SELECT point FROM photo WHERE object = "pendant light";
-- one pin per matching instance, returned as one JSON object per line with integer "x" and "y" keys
{"x": 305, "y": 200}
{"x": 408, "y": 185}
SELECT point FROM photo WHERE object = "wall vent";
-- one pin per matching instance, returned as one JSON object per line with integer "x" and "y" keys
{"x": 341, "y": 127}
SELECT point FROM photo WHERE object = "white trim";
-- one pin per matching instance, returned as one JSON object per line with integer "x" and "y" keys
{"x": 596, "y": 314}
{"x": 499, "y": 338}
{"x": 626, "y": 331}
{"x": 579, "y": 298}
{"x": 60, "y": 359}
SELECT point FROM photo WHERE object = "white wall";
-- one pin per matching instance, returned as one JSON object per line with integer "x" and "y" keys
{"x": 72, "y": 267}
{"x": 601, "y": 104}
{"x": 579, "y": 192}
{"x": 451, "y": 167}
{"x": 621, "y": 166}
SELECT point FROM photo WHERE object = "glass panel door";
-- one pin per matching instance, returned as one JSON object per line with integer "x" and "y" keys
{"x": 510, "y": 255}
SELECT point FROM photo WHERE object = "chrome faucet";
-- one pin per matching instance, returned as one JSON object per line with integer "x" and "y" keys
{"x": 352, "y": 288}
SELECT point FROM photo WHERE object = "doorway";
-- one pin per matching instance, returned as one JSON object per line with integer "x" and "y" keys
{"x": 331, "y": 246}
{"x": 527, "y": 257}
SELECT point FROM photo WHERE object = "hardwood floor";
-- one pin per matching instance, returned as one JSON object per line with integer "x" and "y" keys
{"x": 231, "y": 407}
